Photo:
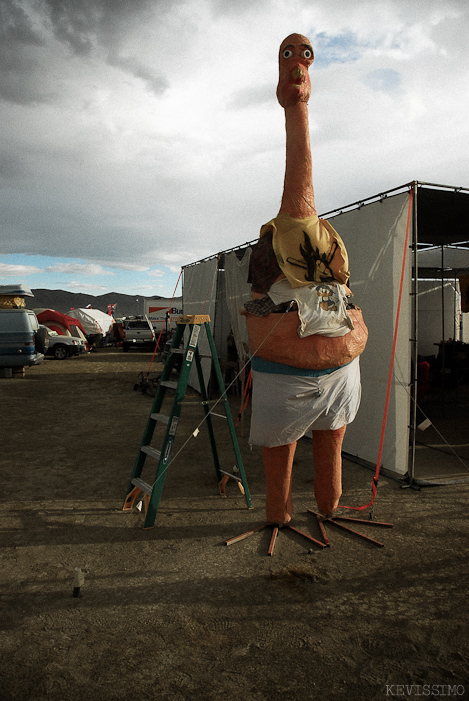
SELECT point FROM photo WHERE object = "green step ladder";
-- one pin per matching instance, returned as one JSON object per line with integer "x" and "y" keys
{"x": 152, "y": 492}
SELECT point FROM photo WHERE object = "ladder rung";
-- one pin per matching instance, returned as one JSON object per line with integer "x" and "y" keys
{"x": 151, "y": 451}
{"x": 162, "y": 418}
{"x": 169, "y": 383}
{"x": 144, "y": 486}
{"x": 180, "y": 351}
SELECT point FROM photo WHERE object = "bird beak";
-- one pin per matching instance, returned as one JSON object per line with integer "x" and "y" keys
{"x": 298, "y": 74}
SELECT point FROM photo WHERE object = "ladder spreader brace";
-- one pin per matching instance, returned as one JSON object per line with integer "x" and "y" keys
{"x": 152, "y": 492}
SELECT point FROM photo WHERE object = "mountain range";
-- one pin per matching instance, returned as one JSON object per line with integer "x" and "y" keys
{"x": 63, "y": 302}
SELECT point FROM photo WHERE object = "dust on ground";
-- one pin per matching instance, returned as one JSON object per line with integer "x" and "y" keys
{"x": 172, "y": 613}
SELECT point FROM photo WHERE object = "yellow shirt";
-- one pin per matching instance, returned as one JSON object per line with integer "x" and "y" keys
{"x": 308, "y": 250}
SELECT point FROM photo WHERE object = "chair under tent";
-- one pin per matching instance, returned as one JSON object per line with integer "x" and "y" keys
{"x": 409, "y": 251}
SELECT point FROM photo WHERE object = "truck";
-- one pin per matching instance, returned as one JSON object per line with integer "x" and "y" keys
{"x": 137, "y": 333}
{"x": 157, "y": 322}
{"x": 162, "y": 313}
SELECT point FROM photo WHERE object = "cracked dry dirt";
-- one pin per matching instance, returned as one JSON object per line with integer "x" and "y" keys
{"x": 171, "y": 613}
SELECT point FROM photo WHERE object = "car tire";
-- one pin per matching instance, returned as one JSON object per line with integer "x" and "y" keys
{"x": 60, "y": 352}
{"x": 42, "y": 340}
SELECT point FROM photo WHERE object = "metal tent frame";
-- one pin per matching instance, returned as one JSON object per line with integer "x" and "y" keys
{"x": 440, "y": 213}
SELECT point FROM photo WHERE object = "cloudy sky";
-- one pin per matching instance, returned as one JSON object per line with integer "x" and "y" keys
{"x": 142, "y": 135}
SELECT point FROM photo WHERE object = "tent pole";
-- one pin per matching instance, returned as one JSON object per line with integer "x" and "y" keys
{"x": 414, "y": 348}
{"x": 243, "y": 387}
{"x": 443, "y": 347}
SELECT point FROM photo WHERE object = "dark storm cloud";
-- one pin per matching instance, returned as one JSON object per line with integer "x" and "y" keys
{"x": 91, "y": 24}
{"x": 16, "y": 25}
{"x": 28, "y": 33}
{"x": 102, "y": 161}
{"x": 87, "y": 23}
{"x": 84, "y": 24}
{"x": 11, "y": 165}
{"x": 18, "y": 39}
{"x": 157, "y": 84}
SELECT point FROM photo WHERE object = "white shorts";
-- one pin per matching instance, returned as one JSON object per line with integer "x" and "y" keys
{"x": 285, "y": 407}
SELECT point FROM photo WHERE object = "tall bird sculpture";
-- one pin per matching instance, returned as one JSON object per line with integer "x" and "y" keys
{"x": 305, "y": 337}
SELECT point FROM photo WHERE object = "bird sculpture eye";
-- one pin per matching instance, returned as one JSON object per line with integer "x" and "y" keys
{"x": 287, "y": 53}
{"x": 306, "y": 53}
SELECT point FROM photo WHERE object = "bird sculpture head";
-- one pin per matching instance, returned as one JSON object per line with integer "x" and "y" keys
{"x": 295, "y": 57}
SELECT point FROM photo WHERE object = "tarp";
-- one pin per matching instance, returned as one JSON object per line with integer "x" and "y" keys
{"x": 93, "y": 320}
{"x": 62, "y": 323}
{"x": 199, "y": 295}
{"x": 375, "y": 236}
{"x": 16, "y": 290}
{"x": 238, "y": 291}
{"x": 432, "y": 325}
{"x": 13, "y": 296}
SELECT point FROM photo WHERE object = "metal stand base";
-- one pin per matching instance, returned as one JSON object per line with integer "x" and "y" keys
{"x": 275, "y": 530}
{"x": 334, "y": 520}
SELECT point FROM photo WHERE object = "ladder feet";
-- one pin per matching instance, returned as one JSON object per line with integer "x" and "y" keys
{"x": 130, "y": 499}
{"x": 224, "y": 481}
{"x": 222, "y": 486}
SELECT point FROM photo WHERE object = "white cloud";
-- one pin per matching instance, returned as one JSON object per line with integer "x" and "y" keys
{"x": 16, "y": 270}
{"x": 85, "y": 269}
{"x": 78, "y": 286}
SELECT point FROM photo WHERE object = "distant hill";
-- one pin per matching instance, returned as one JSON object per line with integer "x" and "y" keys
{"x": 62, "y": 301}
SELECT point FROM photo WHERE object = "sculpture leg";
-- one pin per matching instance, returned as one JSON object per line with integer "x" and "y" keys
{"x": 327, "y": 449}
{"x": 278, "y": 464}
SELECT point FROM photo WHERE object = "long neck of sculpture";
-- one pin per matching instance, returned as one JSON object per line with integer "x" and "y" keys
{"x": 298, "y": 193}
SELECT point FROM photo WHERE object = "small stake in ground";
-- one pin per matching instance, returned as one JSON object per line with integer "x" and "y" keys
{"x": 334, "y": 520}
{"x": 275, "y": 530}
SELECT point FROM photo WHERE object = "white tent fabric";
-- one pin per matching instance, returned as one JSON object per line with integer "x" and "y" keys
{"x": 93, "y": 320}
{"x": 238, "y": 291}
{"x": 199, "y": 295}
{"x": 431, "y": 321}
{"x": 446, "y": 256}
{"x": 375, "y": 236}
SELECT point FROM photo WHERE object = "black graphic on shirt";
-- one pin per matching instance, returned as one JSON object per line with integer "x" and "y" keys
{"x": 317, "y": 264}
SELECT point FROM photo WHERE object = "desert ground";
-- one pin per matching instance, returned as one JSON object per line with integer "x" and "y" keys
{"x": 171, "y": 613}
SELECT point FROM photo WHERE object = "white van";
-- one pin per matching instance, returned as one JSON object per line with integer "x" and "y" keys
{"x": 22, "y": 341}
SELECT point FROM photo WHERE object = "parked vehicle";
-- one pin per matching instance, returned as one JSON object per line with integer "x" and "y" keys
{"x": 63, "y": 324}
{"x": 137, "y": 333}
{"x": 162, "y": 313}
{"x": 61, "y": 347}
{"x": 22, "y": 341}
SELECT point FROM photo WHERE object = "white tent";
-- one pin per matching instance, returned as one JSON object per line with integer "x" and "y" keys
{"x": 390, "y": 239}
{"x": 93, "y": 320}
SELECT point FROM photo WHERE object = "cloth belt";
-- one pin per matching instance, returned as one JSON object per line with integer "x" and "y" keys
{"x": 261, "y": 365}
